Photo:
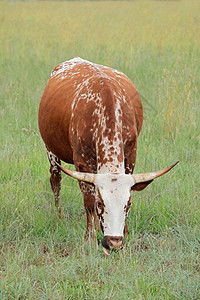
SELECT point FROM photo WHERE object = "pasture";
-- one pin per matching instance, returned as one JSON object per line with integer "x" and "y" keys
{"x": 156, "y": 44}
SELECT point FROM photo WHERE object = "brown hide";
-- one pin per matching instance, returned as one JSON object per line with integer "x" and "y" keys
{"x": 74, "y": 134}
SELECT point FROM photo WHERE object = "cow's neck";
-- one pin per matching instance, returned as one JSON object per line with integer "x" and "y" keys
{"x": 110, "y": 161}
{"x": 109, "y": 141}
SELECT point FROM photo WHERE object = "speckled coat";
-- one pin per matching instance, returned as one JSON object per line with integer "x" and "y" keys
{"x": 90, "y": 116}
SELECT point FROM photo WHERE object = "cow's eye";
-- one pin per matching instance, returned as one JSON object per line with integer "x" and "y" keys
{"x": 99, "y": 204}
{"x": 129, "y": 204}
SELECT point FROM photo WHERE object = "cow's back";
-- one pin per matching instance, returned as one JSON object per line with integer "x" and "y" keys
{"x": 72, "y": 94}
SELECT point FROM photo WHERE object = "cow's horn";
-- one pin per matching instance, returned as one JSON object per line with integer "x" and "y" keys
{"x": 87, "y": 177}
{"x": 151, "y": 176}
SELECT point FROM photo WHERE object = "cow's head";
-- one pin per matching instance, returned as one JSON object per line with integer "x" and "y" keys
{"x": 113, "y": 199}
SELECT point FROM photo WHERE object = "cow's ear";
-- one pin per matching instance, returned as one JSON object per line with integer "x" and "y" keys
{"x": 140, "y": 185}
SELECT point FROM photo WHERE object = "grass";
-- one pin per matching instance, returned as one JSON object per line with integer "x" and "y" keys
{"x": 156, "y": 43}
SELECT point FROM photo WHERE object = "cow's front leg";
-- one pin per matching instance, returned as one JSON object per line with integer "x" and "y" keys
{"x": 88, "y": 191}
{"x": 55, "y": 180}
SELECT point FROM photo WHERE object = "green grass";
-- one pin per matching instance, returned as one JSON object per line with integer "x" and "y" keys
{"x": 156, "y": 43}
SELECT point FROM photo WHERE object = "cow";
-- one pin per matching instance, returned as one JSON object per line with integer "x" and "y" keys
{"x": 91, "y": 116}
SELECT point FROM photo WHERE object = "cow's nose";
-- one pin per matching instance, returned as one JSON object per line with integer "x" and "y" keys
{"x": 112, "y": 242}
{"x": 116, "y": 242}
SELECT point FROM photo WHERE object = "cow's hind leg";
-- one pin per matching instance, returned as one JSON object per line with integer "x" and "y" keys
{"x": 55, "y": 180}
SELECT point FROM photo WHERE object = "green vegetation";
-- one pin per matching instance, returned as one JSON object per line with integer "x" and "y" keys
{"x": 156, "y": 43}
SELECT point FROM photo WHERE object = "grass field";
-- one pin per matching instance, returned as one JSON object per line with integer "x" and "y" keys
{"x": 156, "y": 43}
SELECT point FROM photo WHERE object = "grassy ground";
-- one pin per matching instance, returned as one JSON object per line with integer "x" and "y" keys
{"x": 156, "y": 43}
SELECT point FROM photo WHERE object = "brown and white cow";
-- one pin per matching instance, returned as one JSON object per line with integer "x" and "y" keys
{"x": 90, "y": 116}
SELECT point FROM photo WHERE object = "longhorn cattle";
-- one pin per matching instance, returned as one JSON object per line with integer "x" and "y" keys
{"x": 90, "y": 116}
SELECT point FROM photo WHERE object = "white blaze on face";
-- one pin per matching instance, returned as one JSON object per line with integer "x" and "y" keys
{"x": 115, "y": 193}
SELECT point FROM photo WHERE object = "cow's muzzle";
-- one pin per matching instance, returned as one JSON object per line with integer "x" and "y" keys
{"x": 112, "y": 242}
